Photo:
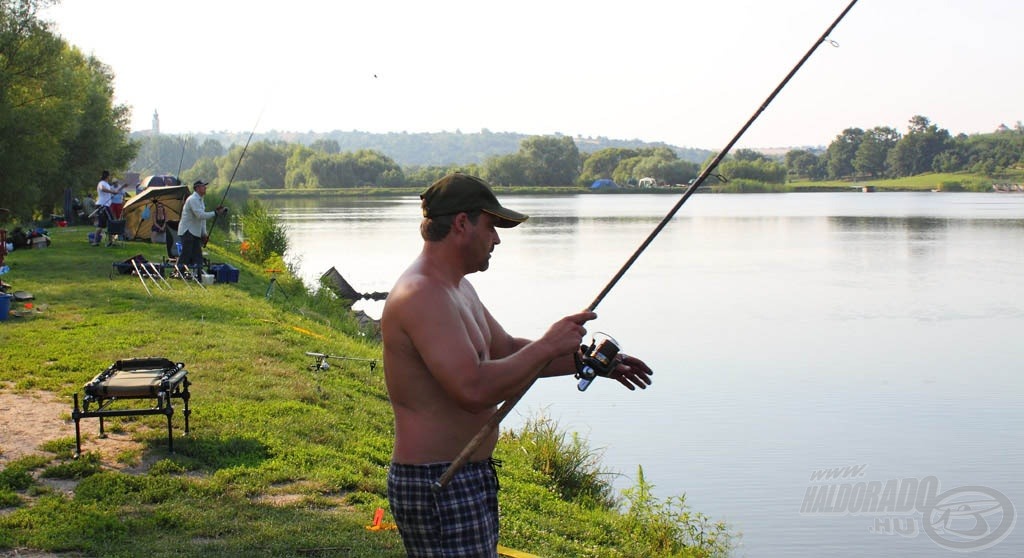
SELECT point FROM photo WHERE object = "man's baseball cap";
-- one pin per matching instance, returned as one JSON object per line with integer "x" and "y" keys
{"x": 198, "y": 183}
{"x": 459, "y": 192}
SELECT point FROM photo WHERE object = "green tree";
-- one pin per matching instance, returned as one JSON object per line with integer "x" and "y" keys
{"x": 373, "y": 168}
{"x": 264, "y": 162}
{"x": 748, "y": 155}
{"x": 873, "y": 151}
{"x": 297, "y": 171}
{"x": 760, "y": 170}
{"x": 550, "y": 160}
{"x": 506, "y": 170}
{"x": 603, "y": 162}
{"x": 663, "y": 165}
{"x": 803, "y": 163}
{"x": 625, "y": 171}
{"x": 916, "y": 151}
{"x": 840, "y": 153}
{"x": 203, "y": 169}
{"x": 326, "y": 146}
{"x": 58, "y": 124}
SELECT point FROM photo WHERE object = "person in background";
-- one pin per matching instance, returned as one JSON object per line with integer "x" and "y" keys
{"x": 158, "y": 231}
{"x": 448, "y": 364}
{"x": 117, "y": 198}
{"x": 192, "y": 228}
{"x": 104, "y": 191}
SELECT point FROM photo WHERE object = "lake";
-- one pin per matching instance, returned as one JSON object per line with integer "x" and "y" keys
{"x": 837, "y": 374}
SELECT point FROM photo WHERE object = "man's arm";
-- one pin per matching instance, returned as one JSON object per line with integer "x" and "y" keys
{"x": 630, "y": 371}
{"x": 477, "y": 382}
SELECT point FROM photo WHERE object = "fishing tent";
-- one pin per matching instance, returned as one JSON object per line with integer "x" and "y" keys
{"x": 603, "y": 183}
{"x": 158, "y": 180}
{"x": 140, "y": 210}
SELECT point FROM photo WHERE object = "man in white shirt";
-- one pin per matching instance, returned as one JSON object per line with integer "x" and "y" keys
{"x": 192, "y": 227}
{"x": 104, "y": 191}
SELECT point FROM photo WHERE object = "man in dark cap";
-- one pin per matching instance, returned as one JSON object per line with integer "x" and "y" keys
{"x": 192, "y": 227}
{"x": 448, "y": 364}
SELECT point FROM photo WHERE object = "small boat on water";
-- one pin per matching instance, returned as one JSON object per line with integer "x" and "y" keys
{"x": 867, "y": 189}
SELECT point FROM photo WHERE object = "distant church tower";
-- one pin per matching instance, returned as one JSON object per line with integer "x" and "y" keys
{"x": 156, "y": 123}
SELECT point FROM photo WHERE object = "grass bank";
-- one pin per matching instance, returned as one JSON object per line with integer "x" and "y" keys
{"x": 953, "y": 182}
{"x": 282, "y": 460}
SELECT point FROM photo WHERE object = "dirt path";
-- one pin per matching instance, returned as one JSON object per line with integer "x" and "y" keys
{"x": 27, "y": 420}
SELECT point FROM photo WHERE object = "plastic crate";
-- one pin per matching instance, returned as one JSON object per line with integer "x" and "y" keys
{"x": 224, "y": 273}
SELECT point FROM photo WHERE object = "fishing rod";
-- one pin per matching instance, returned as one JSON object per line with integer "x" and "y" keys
{"x": 602, "y": 359}
{"x": 181, "y": 159}
{"x": 232, "y": 179}
{"x": 321, "y": 360}
{"x": 139, "y": 273}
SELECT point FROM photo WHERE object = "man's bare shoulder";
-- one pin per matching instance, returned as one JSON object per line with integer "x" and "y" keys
{"x": 415, "y": 295}
{"x": 412, "y": 286}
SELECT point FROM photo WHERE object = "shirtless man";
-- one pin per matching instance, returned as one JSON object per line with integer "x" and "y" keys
{"x": 448, "y": 364}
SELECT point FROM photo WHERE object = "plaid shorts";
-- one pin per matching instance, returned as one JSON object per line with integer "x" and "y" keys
{"x": 461, "y": 520}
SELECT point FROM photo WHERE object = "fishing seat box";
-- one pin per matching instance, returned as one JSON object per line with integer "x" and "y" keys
{"x": 134, "y": 387}
{"x": 224, "y": 273}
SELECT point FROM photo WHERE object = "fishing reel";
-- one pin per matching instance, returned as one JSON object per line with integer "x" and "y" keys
{"x": 598, "y": 359}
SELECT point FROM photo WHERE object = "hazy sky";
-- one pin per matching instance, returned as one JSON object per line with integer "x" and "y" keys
{"x": 685, "y": 72}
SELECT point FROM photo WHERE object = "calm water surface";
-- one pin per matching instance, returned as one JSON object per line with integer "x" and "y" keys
{"x": 789, "y": 333}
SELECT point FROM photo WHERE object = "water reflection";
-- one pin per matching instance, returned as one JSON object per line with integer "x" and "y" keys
{"x": 917, "y": 224}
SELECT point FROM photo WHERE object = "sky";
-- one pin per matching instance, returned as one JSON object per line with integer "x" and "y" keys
{"x": 685, "y": 72}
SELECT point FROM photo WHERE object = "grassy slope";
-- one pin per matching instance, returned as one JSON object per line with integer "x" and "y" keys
{"x": 280, "y": 460}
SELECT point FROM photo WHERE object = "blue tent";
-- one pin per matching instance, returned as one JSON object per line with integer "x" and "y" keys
{"x": 603, "y": 183}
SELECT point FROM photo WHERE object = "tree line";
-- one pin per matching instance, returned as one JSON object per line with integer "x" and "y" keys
{"x": 882, "y": 152}
{"x": 409, "y": 149}
{"x": 538, "y": 161}
{"x": 59, "y": 126}
{"x": 855, "y": 154}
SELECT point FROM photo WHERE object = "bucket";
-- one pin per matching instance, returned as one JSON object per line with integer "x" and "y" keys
{"x": 5, "y": 306}
{"x": 207, "y": 279}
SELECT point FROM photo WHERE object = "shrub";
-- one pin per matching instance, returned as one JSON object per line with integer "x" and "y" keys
{"x": 670, "y": 525}
{"x": 573, "y": 469}
{"x": 264, "y": 234}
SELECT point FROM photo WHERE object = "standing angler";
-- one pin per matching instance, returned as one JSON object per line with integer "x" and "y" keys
{"x": 192, "y": 227}
{"x": 448, "y": 363}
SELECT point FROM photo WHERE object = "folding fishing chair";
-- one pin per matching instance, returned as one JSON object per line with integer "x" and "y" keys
{"x": 155, "y": 379}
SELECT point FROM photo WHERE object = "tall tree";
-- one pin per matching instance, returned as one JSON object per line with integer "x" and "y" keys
{"x": 803, "y": 163}
{"x": 506, "y": 170}
{"x": 264, "y": 161}
{"x": 870, "y": 158}
{"x": 840, "y": 153}
{"x": 603, "y": 162}
{"x": 550, "y": 160}
{"x": 58, "y": 124}
{"x": 916, "y": 152}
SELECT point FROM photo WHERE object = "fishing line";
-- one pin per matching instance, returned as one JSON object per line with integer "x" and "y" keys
{"x": 506, "y": 407}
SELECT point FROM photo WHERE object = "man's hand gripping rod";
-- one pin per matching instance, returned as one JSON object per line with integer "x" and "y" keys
{"x": 506, "y": 407}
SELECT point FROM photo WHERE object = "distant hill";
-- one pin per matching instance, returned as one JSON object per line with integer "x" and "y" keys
{"x": 438, "y": 148}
